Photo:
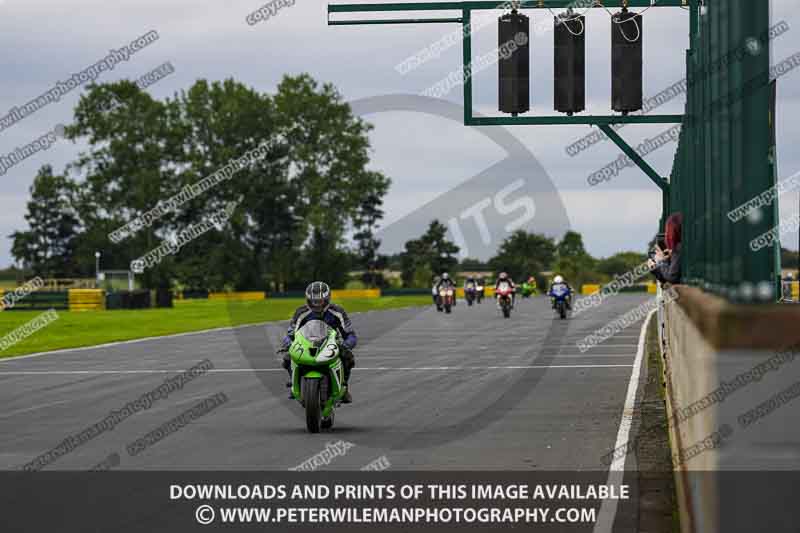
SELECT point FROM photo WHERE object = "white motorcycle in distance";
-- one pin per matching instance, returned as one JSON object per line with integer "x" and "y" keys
{"x": 480, "y": 290}
{"x": 470, "y": 293}
{"x": 445, "y": 300}
{"x": 504, "y": 294}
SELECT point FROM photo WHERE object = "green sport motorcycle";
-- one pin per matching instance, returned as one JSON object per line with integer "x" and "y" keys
{"x": 529, "y": 289}
{"x": 317, "y": 373}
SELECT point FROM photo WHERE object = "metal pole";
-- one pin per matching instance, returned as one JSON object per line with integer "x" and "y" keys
{"x": 466, "y": 16}
{"x": 97, "y": 270}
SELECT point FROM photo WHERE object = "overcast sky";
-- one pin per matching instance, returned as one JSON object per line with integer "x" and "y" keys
{"x": 45, "y": 41}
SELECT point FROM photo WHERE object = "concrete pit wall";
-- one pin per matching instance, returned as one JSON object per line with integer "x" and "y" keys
{"x": 733, "y": 388}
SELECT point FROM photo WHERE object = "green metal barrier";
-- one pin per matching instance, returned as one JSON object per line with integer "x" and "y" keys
{"x": 43, "y": 300}
{"x": 723, "y": 158}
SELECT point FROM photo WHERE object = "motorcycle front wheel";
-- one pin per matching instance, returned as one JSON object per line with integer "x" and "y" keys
{"x": 312, "y": 401}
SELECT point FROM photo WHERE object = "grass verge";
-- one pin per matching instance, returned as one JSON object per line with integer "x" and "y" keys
{"x": 79, "y": 329}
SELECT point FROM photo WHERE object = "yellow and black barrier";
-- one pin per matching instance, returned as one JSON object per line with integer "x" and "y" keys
{"x": 488, "y": 292}
{"x": 237, "y": 296}
{"x": 87, "y": 300}
{"x": 590, "y": 288}
{"x": 349, "y": 294}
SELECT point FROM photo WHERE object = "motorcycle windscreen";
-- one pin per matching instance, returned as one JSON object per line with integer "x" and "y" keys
{"x": 503, "y": 287}
{"x": 560, "y": 290}
{"x": 315, "y": 331}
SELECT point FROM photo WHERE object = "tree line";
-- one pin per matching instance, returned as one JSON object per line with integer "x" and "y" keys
{"x": 308, "y": 210}
{"x": 296, "y": 205}
{"x": 521, "y": 255}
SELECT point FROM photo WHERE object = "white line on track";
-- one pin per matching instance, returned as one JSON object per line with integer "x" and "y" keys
{"x": 231, "y": 370}
{"x": 608, "y": 510}
{"x": 602, "y": 345}
{"x": 589, "y": 356}
{"x": 34, "y": 408}
{"x": 14, "y": 358}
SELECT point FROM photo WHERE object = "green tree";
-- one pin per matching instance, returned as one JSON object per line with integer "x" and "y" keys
{"x": 571, "y": 246}
{"x": 469, "y": 263}
{"x": 219, "y": 122}
{"x": 295, "y": 205}
{"x": 619, "y": 263}
{"x": 329, "y": 151}
{"x": 524, "y": 254}
{"x": 573, "y": 262}
{"x": 48, "y": 246}
{"x": 366, "y": 220}
{"x": 428, "y": 256}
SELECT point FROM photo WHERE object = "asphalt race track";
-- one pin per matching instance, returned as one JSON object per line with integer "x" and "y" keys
{"x": 467, "y": 391}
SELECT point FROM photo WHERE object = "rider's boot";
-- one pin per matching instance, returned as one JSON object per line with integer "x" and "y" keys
{"x": 347, "y": 398}
{"x": 288, "y": 366}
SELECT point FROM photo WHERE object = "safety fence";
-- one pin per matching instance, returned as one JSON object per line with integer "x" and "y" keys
{"x": 40, "y": 301}
{"x": 726, "y": 157}
{"x": 99, "y": 300}
{"x": 90, "y": 300}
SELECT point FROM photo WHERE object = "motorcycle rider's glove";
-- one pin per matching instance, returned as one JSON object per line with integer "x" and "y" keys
{"x": 287, "y": 341}
{"x": 349, "y": 342}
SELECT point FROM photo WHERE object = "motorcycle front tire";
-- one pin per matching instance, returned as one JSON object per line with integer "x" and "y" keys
{"x": 313, "y": 403}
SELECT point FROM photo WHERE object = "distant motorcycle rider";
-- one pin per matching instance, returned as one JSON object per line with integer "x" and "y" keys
{"x": 481, "y": 288}
{"x": 446, "y": 283}
{"x": 505, "y": 278}
{"x": 559, "y": 281}
{"x": 435, "y": 288}
{"x": 469, "y": 283}
{"x": 318, "y": 306}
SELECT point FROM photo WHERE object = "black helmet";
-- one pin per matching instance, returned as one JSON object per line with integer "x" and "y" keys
{"x": 318, "y": 296}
